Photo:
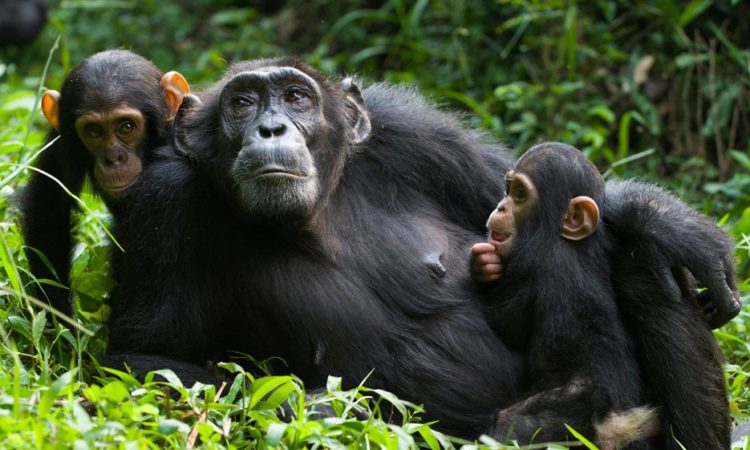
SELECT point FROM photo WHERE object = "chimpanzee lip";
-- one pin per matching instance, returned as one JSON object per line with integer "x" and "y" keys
{"x": 117, "y": 188}
{"x": 498, "y": 237}
{"x": 278, "y": 171}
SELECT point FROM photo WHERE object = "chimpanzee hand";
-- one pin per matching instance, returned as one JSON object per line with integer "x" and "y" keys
{"x": 671, "y": 237}
{"x": 716, "y": 293}
{"x": 485, "y": 263}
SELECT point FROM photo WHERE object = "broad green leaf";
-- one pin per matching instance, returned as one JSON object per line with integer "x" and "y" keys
{"x": 275, "y": 434}
{"x": 115, "y": 391}
{"x": 48, "y": 396}
{"x": 37, "y": 327}
{"x": 171, "y": 426}
{"x": 271, "y": 391}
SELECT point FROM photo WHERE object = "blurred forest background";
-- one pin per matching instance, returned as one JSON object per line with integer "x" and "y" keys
{"x": 658, "y": 90}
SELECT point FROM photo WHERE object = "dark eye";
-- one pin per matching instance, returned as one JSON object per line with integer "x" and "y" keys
{"x": 93, "y": 131}
{"x": 518, "y": 192}
{"x": 126, "y": 127}
{"x": 240, "y": 104}
{"x": 294, "y": 94}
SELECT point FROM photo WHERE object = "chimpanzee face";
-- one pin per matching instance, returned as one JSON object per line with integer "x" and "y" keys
{"x": 117, "y": 105}
{"x": 114, "y": 137}
{"x": 271, "y": 117}
{"x": 284, "y": 133}
{"x": 520, "y": 197}
{"x": 543, "y": 200}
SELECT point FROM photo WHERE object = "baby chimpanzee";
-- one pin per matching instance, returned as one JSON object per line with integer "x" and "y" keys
{"x": 558, "y": 305}
{"x": 113, "y": 117}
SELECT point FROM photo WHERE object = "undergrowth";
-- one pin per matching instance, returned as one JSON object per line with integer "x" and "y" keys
{"x": 655, "y": 90}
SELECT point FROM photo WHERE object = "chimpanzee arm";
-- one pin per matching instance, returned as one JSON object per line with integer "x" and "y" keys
{"x": 653, "y": 225}
{"x": 45, "y": 209}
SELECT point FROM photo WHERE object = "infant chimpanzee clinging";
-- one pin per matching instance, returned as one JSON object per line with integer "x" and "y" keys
{"x": 558, "y": 305}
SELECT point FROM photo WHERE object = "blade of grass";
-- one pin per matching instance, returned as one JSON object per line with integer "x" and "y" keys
{"x": 627, "y": 160}
{"x": 79, "y": 201}
{"x": 21, "y": 167}
{"x": 36, "y": 99}
{"x": 52, "y": 310}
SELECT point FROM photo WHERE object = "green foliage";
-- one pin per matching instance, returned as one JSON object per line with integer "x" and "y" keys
{"x": 120, "y": 411}
{"x": 657, "y": 90}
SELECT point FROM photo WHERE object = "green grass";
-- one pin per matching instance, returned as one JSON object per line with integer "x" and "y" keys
{"x": 522, "y": 70}
{"x": 52, "y": 395}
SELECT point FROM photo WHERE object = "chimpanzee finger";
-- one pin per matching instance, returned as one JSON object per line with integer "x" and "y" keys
{"x": 713, "y": 291}
{"x": 487, "y": 273}
{"x": 720, "y": 297}
{"x": 485, "y": 258}
{"x": 482, "y": 248}
{"x": 669, "y": 282}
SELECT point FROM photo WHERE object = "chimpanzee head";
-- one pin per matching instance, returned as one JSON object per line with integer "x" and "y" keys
{"x": 552, "y": 196}
{"x": 113, "y": 106}
{"x": 280, "y": 131}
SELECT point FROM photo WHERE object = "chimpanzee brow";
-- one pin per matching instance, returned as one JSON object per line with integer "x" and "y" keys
{"x": 274, "y": 75}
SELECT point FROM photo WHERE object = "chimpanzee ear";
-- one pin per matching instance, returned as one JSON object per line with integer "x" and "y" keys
{"x": 581, "y": 219}
{"x": 51, "y": 108}
{"x": 358, "y": 117}
{"x": 181, "y": 125}
{"x": 174, "y": 86}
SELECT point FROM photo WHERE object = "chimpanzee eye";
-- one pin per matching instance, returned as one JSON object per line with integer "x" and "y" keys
{"x": 518, "y": 192}
{"x": 126, "y": 127}
{"x": 240, "y": 104}
{"x": 92, "y": 131}
{"x": 294, "y": 94}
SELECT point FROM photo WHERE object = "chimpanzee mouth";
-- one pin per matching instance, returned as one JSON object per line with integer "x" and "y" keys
{"x": 498, "y": 237}
{"x": 279, "y": 172}
{"x": 116, "y": 189}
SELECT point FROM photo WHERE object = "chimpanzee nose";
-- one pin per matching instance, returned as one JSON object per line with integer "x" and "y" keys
{"x": 114, "y": 156}
{"x": 271, "y": 130}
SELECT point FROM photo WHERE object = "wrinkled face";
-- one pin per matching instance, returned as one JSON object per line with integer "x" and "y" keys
{"x": 271, "y": 116}
{"x": 113, "y": 137}
{"x": 520, "y": 197}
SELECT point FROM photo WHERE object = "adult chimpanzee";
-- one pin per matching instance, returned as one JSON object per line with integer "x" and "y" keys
{"x": 114, "y": 111}
{"x": 560, "y": 310}
{"x": 333, "y": 234}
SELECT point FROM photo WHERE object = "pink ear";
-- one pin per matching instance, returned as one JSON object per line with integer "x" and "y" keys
{"x": 174, "y": 86}
{"x": 581, "y": 220}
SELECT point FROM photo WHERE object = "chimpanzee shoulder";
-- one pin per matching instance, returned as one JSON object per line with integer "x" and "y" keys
{"x": 416, "y": 145}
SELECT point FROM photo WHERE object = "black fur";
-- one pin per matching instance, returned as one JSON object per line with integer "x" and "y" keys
{"x": 375, "y": 279}
{"x": 679, "y": 357}
{"x": 101, "y": 81}
{"x": 555, "y": 303}
{"x": 375, "y": 282}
